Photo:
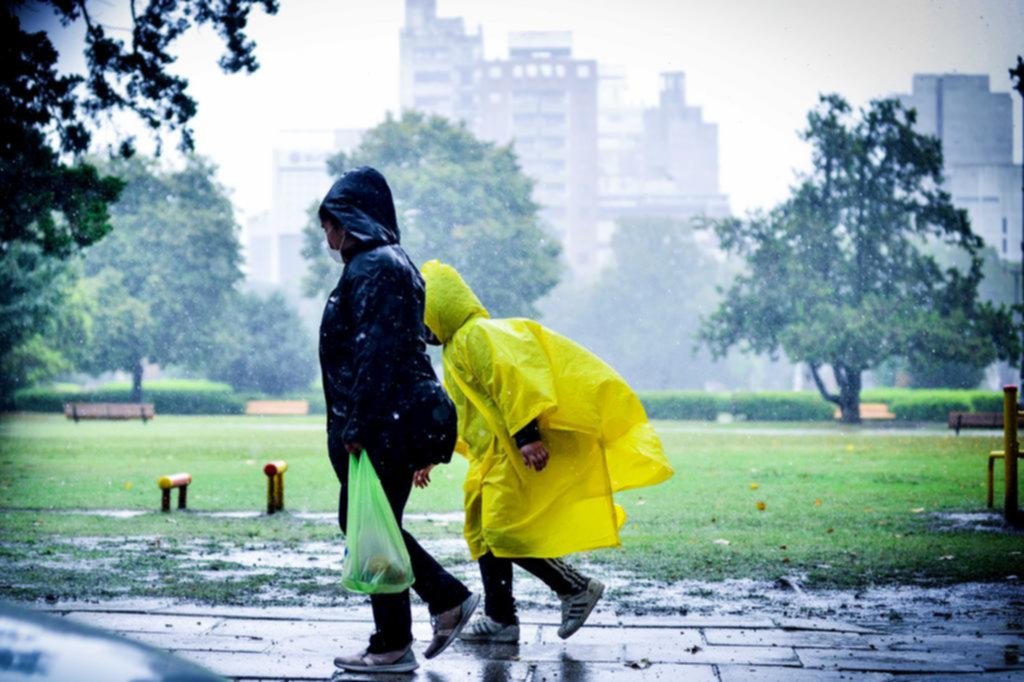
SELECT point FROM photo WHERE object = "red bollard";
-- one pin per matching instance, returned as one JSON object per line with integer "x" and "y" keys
{"x": 275, "y": 485}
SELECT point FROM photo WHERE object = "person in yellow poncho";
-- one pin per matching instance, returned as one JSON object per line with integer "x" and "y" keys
{"x": 521, "y": 392}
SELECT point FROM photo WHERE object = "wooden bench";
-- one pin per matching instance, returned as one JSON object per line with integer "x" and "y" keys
{"x": 276, "y": 408}
{"x": 870, "y": 412}
{"x": 76, "y": 411}
{"x": 976, "y": 420}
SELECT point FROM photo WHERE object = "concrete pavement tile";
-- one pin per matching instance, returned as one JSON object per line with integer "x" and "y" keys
{"x": 124, "y": 605}
{"x": 589, "y": 653}
{"x": 444, "y": 670}
{"x": 575, "y": 671}
{"x": 821, "y": 624}
{"x": 696, "y": 621}
{"x": 272, "y": 666}
{"x": 744, "y": 673}
{"x": 355, "y": 612}
{"x": 422, "y": 631}
{"x": 888, "y": 661}
{"x": 970, "y": 677}
{"x": 668, "y": 652}
{"x": 621, "y": 636}
{"x": 137, "y": 622}
{"x": 791, "y": 638}
{"x": 553, "y": 616}
{"x": 277, "y": 630}
{"x": 205, "y": 642}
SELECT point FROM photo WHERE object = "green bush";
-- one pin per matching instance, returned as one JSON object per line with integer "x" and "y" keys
{"x": 781, "y": 406}
{"x": 931, "y": 406}
{"x": 685, "y": 405}
{"x": 176, "y": 396}
{"x": 986, "y": 401}
{"x": 975, "y": 400}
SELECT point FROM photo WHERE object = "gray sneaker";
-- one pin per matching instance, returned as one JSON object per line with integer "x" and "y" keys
{"x": 487, "y": 630}
{"x": 576, "y": 608}
{"x": 449, "y": 624}
{"x": 401, "y": 661}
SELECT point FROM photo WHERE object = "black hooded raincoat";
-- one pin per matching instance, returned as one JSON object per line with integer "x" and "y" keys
{"x": 380, "y": 387}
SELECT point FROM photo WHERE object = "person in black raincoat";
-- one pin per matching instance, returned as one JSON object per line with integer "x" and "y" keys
{"x": 383, "y": 396}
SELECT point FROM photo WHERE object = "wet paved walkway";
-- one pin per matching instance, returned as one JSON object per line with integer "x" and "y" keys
{"x": 293, "y": 643}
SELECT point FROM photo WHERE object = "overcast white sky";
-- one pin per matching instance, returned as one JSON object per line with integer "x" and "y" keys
{"x": 755, "y": 66}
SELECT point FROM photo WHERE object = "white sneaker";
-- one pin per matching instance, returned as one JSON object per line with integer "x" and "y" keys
{"x": 487, "y": 630}
{"x": 576, "y": 608}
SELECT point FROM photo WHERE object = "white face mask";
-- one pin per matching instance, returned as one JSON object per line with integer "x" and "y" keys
{"x": 335, "y": 254}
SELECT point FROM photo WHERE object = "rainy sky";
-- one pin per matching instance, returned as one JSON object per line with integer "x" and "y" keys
{"x": 755, "y": 66}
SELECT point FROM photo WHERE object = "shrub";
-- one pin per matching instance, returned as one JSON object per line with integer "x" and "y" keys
{"x": 686, "y": 405}
{"x": 168, "y": 397}
{"x": 986, "y": 401}
{"x": 930, "y": 406}
{"x": 780, "y": 406}
{"x": 975, "y": 400}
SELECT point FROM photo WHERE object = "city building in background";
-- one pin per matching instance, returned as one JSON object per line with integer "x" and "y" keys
{"x": 594, "y": 157}
{"x": 975, "y": 126}
{"x": 273, "y": 239}
{"x": 438, "y": 60}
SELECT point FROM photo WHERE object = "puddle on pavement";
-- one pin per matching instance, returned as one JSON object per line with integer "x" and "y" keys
{"x": 979, "y": 522}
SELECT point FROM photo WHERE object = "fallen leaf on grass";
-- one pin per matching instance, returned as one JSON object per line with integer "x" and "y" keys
{"x": 817, "y": 502}
{"x": 128, "y": 485}
{"x": 755, "y": 486}
{"x": 917, "y": 510}
{"x": 642, "y": 664}
{"x": 761, "y": 506}
{"x": 830, "y": 530}
{"x": 946, "y": 557}
{"x": 720, "y": 541}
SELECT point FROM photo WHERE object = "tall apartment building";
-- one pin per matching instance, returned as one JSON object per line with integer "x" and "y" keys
{"x": 437, "y": 63}
{"x": 544, "y": 101}
{"x": 274, "y": 238}
{"x": 976, "y": 129}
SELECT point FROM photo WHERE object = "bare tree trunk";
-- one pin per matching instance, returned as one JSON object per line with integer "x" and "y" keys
{"x": 849, "y": 380}
{"x": 848, "y": 400}
{"x": 137, "y": 382}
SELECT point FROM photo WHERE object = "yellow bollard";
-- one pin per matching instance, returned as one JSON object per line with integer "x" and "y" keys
{"x": 275, "y": 485}
{"x": 1011, "y": 450}
{"x": 179, "y": 481}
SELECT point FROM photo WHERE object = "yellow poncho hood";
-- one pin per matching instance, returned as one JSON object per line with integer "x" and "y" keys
{"x": 502, "y": 374}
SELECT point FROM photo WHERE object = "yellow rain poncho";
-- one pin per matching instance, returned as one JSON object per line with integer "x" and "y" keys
{"x": 501, "y": 375}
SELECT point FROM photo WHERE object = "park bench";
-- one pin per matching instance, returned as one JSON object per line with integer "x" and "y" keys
{"x": 871, "y": 412}
{"x": 276, "y": 408}
{"x": 76, "y": 411}
{"x": 976, "y": 420}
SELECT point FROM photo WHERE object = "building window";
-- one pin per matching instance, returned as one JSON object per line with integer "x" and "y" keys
{"x": 517, "y": 71}
{"x": 559, "y": 70}
{"x": 1004, "y": 246}
{"x": 495, "y": 71}
{"x": 1004, "y": 225}
{"x": 583, "y": 71}
{"x": 432, "y": 77}
{"x": 531, "y": 70}
{"x": 495, "y": 98}
{"x": 545, "y": 70}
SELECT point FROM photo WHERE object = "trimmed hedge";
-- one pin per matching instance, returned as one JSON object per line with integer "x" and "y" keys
{"x": 782, "y": 406}
{"x": 167, "y": 396}
{"x": 928, "y": 408}
{"x": 685, "y": 405}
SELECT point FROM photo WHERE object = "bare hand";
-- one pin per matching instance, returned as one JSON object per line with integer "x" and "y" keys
{"x": 354, "y": 448}
{"x": 421, "y": 479}
{"x": 535, "y": 455}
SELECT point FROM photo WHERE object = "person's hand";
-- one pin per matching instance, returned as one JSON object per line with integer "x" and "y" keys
{"x": 535, "y": 455}
{"x": 354, "y": 448}
{"x": 421, "y": 479}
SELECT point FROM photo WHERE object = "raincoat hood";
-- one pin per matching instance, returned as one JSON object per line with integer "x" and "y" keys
{"x": 361, "y": 202}
{"x": 450, "y": 302}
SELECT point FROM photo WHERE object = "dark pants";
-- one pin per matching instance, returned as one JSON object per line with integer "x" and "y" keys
{"x": 500, "y": 605}
{"x": 439, "y": 589}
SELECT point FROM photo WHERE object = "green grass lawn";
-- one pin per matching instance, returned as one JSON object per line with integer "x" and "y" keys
{"x": 841, "y": 508}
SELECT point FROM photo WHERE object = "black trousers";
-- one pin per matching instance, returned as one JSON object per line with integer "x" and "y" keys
{"x": 439, "y": 589}
{"x": 500, "y": 605}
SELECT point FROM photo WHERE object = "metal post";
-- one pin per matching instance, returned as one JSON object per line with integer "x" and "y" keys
{"x": 1011, "y": 450}
{"x": 280, "y": 491}
{"x": 182, "y": 493}
{"x": 1018, "y": 75}
{"x": 165, "y": 500}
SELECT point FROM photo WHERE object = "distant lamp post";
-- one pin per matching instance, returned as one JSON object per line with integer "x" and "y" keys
{"x": 1018, "y": 75}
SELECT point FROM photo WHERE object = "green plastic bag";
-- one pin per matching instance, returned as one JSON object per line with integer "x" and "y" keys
{"x": 376, "y": 560}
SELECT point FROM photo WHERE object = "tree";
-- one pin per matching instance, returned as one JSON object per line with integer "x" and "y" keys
{"x": 642, "y": 313}
{"x": 263, "y": 347}
{"x": 164, "y": 276}
{"x": 459, "y": 199}
{"x": 52, "y": 203}
{"x": 836, "y": 276}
